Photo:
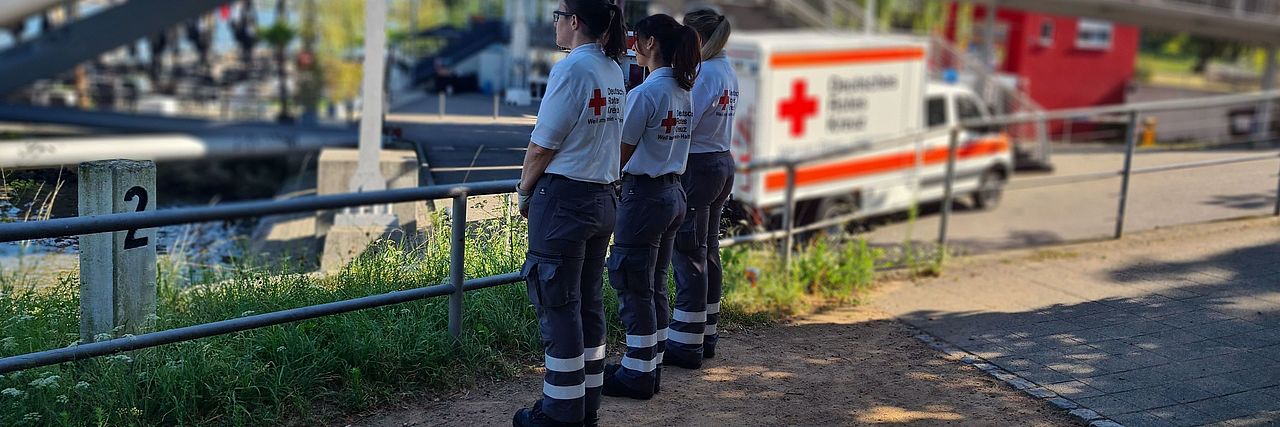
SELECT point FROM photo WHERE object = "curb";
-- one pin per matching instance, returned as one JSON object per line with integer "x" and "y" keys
{"x": 1088, "y": 416}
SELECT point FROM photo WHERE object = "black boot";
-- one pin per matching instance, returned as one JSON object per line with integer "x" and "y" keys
{"x": 708, "y": 351}
{"x": 657, "y": 380}
{"x": 533, "y": 417}
{"x": 681, "y": 359}
{"x": 615, "y": 388}
{"x": 592, "y": 420}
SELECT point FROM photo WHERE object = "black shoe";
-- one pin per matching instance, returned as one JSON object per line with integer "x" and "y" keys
{"x": 533, "y": 417}
{"x": 681, "y": 359}
{"x": 708, "y": 351}
{"x": 592, "y": 420}
{"x": 657, "y": 380}
{"x": 615, "y": 388}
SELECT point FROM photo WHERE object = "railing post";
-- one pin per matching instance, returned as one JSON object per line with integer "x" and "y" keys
{"x": 496, "y": 105}
{"x": 948, "y": 196}
{"x": 1130, "y": 140}
{"x": 1277, "y": 211}
{"x": 789, "y": 216}
{"x": 457, "y": 256}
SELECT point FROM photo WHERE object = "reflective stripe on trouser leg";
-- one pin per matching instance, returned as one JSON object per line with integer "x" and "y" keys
{"x": 564, "y": 385}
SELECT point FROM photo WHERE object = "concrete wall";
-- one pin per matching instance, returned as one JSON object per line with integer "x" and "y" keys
{"x": 399, "y": 167}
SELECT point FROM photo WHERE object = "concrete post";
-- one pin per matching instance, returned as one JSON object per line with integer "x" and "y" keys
{"x": 985, "y": 81}
{"x": 1266, "y": 109}
{"x": 869, "y": 17}
{"x": 117, "y": 270}
{"x": 368, "y": 177}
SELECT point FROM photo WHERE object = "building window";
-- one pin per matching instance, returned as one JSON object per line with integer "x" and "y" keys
{"x": 1093, "y": 34}
{"x": 1046, "y": 33}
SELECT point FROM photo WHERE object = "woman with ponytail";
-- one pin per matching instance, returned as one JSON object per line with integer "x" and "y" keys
{"x": 655, "y": 146}
{"x": 707, "y": 185}
{"x": 567, "y": 192}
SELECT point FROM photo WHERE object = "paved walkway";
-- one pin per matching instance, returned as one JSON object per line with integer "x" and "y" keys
{"x": 1178, "y": 326}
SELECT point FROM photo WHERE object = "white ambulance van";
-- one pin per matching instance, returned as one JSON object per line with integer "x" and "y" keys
{"x": 806, "y": 93}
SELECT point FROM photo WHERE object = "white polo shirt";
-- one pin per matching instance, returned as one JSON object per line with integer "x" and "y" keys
{"x": 715, "y": 95}
{"x": 659, "y": 113}
{"x": 581, "y": 116}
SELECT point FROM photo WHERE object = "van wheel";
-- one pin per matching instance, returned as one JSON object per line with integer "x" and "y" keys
{"x": 990, "y": 190}
{"x": 835, "y": 207}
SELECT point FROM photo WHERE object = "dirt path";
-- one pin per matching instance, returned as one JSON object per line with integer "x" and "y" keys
{"x": 851, "y": 366}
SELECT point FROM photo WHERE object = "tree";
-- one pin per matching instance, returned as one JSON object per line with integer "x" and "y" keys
{"x": 279, "y": 35}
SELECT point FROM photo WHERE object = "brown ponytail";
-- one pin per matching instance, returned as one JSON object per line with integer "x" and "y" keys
{"x": 714, "y": 29}
{"x": 603, "y": 20}
{"x": 677, "y": 44}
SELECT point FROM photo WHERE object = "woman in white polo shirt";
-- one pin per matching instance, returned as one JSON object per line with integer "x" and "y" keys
{"x": 567, "y": 192}
{"x": 707, "y": 184}
{"x": 655, "y": 146}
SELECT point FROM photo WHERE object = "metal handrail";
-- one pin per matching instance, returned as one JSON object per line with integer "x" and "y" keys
{"x": 59, "y": 227}
{"x": 457, "y": 286}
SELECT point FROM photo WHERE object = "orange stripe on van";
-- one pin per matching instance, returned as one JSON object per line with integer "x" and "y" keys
{"x": 802, "y": 59}
{"x": 864, "y": 166}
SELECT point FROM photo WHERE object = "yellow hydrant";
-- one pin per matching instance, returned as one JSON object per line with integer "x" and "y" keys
{"x": 1149, "y": 132}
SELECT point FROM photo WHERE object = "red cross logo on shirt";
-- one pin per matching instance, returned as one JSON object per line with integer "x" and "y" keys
{"x": 669, "y": 122}
{"x": 799, "y": 108}
{"x": 724, "y": 101}
{"x": 597, "y": 102}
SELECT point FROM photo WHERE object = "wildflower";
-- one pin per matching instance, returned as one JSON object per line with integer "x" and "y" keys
{"x": 82, "y": 385}
{"x": 31, "y": 417}
{"x": 135, "y": 411}
{"x": 62, "y": 398}
{"x": 46, "y": 382}
{"x": 120, "y": 358}
{"x": 280, "y": 348}
{"x": 12, "y": 392}
{"x": 247, "y": 313}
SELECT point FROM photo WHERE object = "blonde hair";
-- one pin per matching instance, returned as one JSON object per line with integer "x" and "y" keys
{"x": 712, "y": 27}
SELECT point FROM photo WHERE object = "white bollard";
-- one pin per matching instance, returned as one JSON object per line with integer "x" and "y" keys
{"x": 117, "y": 270}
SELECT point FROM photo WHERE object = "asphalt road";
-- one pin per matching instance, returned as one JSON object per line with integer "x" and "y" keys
{"x": 1088, "y": 210}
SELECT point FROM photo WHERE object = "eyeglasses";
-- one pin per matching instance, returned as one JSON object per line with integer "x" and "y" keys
{"x": 555, "y": 16}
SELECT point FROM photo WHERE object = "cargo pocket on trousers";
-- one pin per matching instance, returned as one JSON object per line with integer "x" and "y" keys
{"x": 544, "y": 285}
{"x": 630, "y": 269}
{"x": 689, "y": 241}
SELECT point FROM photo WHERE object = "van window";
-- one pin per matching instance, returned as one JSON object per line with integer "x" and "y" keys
{"x": 967, "y": 109}
{"x": 936, "y": 111}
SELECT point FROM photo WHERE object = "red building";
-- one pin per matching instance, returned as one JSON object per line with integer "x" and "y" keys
{"x": 1062, "y": 62}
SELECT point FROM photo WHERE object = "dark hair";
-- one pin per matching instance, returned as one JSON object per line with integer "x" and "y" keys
{"x": 677, "y": 44}
{"x": 713, "y": 28}
{"x": 603, "y": 20}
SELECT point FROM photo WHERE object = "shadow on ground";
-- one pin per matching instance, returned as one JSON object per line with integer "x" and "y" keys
{"x": 1200, "y": 343}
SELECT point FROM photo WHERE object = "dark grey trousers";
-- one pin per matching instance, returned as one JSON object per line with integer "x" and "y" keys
{"x": 651, "y": 212}
{"x": 570, "y": 223}
{"x": 707, "y": 181}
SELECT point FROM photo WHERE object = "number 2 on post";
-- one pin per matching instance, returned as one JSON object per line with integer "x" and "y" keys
{"x": 131, "y": 242}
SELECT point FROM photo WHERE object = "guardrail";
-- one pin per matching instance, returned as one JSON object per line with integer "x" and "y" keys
{"x": 458, "y": 285}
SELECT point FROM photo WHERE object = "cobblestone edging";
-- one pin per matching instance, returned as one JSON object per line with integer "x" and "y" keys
{"x": 1093, "y": 419}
